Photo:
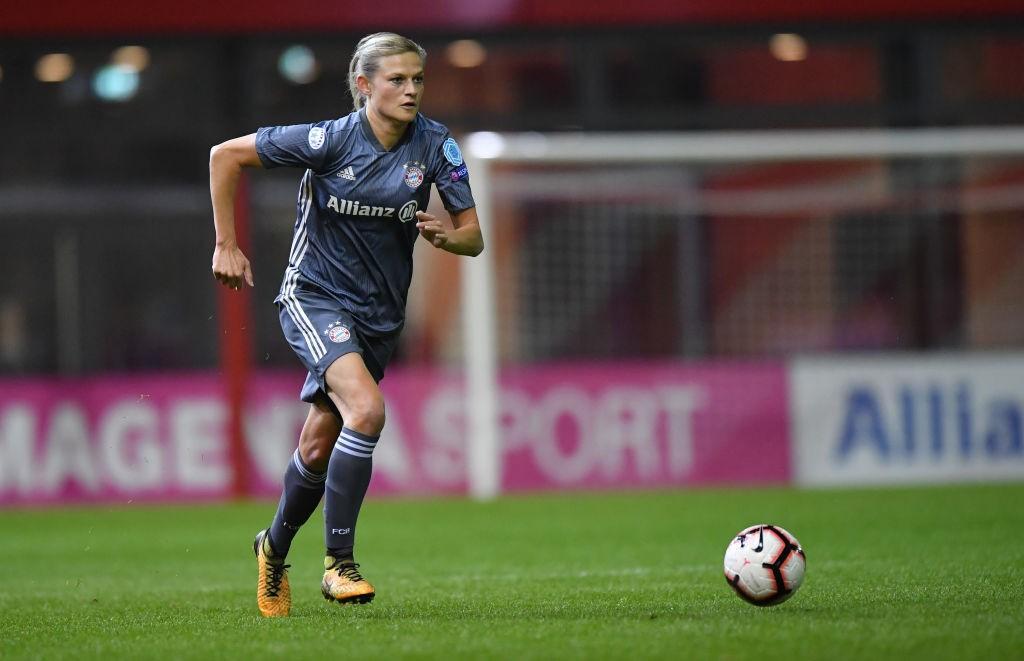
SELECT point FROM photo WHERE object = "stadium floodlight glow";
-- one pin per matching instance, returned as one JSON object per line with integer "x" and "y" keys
{"x": 466, "y": 53}
{"x": 486, "y": 144}
{"x": 298, "y": 65}
{"x": 788, "y": 47}
{"x": 116, "y": 83}
{"x": 133, "y": 57}
{"x": 54, "y": 67}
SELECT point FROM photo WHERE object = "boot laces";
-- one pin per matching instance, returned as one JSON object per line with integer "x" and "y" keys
{"x": 349, "y": 570}
{"x": 275, "y": 574}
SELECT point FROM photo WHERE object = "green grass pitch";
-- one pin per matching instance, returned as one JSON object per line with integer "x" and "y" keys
{"x": 926, "y": 573}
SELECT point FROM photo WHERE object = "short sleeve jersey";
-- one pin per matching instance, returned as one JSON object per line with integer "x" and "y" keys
{"x": 355, "y": 224}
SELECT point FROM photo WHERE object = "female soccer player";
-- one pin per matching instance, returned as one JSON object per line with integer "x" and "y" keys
{"x": 366, "y": 179}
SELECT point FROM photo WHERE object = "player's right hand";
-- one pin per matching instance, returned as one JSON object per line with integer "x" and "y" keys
{"x": 231, "y": 267}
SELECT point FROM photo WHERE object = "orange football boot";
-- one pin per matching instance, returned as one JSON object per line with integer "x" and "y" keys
{"x": 343, "y": 583}
{"x": 273, "y": 594}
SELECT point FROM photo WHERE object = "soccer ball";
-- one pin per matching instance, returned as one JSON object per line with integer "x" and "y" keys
{"x": 764, "y": 564}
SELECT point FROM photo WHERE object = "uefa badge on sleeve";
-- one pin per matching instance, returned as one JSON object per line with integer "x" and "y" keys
{"x": 458, "y": 173}
{"x": 338, "y": 332}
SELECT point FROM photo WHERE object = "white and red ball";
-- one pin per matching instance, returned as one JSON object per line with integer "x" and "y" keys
{"x": 765, "y": 564}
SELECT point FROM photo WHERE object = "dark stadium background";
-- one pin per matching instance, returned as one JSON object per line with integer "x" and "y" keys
{"x": 105, "y": 232}
{"x": 122, "y": 186}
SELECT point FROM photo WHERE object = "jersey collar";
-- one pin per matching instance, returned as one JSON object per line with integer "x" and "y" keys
{"x": 364, "y": 123}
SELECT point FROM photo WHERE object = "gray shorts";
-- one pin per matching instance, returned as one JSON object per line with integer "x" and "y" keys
{"x": 320, "y": 332}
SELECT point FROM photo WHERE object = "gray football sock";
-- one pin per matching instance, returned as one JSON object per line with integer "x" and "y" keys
{"x": 348, "y": 476}
{"x": 302, "y": 492}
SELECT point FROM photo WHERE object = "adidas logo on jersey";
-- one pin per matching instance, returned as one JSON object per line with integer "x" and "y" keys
{"x": 347, "y": 173}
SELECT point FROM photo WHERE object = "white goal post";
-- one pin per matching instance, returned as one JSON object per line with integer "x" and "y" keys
{"x": 485, "y": 149}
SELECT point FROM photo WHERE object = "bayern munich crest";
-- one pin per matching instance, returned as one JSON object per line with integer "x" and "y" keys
{"x": 413, "y": 174}
{"x": 338, "y": 333}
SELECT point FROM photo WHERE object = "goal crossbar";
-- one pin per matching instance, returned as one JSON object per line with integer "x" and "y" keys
{"x": 744, "y": 146}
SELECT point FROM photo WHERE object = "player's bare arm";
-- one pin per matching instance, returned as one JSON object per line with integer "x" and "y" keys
{"x": 464, "y": 238}
{"x": 230, "y": 265}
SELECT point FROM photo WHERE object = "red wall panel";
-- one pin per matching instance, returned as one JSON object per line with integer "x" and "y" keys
{"x": 83, "y": 17}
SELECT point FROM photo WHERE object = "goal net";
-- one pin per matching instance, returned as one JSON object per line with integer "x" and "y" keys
{"x": 731, "y": 246}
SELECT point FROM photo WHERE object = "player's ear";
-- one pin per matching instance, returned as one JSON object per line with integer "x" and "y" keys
{"x": 363, "y": 85}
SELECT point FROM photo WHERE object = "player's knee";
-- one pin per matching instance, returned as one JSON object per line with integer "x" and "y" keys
{"x": 366, "y": 415}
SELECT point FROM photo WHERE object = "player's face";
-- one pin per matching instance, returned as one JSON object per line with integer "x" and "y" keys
{"x": 397, "y": 87}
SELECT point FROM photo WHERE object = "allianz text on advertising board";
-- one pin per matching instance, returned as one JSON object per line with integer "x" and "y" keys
{"x": 906, "y": 420}
{"x": 164, "y": 437}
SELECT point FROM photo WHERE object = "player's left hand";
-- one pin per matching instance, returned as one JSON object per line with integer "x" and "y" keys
{"x": 432, "y": 229}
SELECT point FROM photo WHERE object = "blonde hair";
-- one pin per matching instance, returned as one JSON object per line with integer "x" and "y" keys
{"x": 366, "y": 58}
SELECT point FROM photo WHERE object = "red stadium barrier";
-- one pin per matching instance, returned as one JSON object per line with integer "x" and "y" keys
{"x": 236, "y": 332}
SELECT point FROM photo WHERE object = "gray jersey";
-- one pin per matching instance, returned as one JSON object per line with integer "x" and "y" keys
{"x": 355, "y": 224}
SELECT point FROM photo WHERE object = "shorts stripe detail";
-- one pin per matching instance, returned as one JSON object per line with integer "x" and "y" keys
{"x": 313, "y": 342}
{"x": 308, "y": 475}
{"x": 308, "y": 335}
{"x": 302, "y": 313}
